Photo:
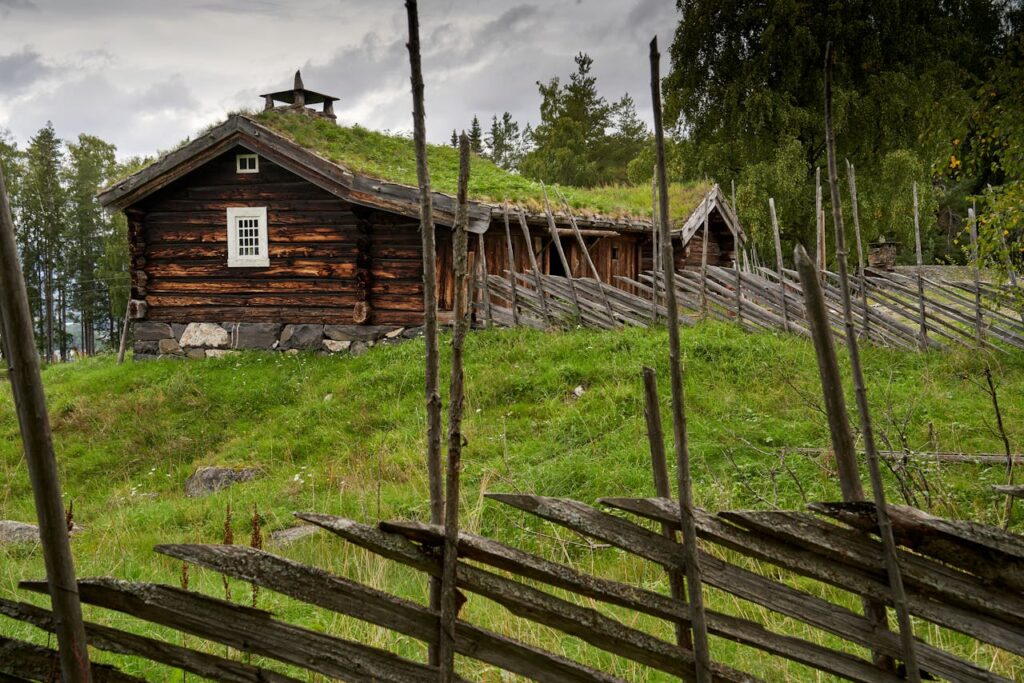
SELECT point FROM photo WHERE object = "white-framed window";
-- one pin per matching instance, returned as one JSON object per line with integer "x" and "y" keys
{"x": 247, "y": 163}
{"x": 247, "y": 237}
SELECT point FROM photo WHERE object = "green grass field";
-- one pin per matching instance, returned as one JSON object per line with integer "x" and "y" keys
{"x": 345, "y": 436}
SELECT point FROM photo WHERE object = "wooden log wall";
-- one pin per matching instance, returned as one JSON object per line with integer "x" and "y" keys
{"x": 326, "y": 255}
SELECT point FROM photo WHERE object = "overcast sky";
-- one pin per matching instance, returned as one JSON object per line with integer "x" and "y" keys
{"x": 145, "y": 74}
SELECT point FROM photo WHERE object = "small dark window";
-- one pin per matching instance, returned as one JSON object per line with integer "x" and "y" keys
{"x": 247, "y": 163}
{"x": 615, "y": 253}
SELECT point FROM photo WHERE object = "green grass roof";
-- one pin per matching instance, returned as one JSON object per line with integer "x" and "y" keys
{"x": 392, "y": 157}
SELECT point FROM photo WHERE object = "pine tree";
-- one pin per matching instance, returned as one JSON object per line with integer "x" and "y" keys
{"x": 505, "y": 144}
{"x": 455, "y": 139}
{"x": 43, "y": 228}
{"x": 92, "y": 164}
{"x": 476, "y": 136}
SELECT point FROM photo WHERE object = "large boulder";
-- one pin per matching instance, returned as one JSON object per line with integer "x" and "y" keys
{"x": 208, "y": 335}
{"x": 148, "y": 330}
{"x": 253, "y": 335}
{"x": 357, "y": 332}
{"x": 207, "y": 480}
{"x": 302, "y": 336}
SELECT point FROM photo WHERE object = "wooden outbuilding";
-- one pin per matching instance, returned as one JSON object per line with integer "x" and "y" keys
{"x": 255, "y": 221}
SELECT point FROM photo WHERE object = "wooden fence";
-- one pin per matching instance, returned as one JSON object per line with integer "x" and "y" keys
{"x": 886, "y": 307}
{"x": 961, "y": 576}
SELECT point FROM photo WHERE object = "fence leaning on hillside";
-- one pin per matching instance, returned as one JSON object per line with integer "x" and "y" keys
{"x": 887, "y": 306}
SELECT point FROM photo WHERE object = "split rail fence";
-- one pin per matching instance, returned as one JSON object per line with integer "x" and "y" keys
{"x": 961, "y": 576}
{"x": 887, "y": 309}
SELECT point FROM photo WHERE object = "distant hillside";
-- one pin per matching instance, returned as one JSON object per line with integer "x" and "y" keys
{"x": 345, "y": 435}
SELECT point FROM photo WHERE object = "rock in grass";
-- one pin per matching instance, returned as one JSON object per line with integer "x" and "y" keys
{"x": 21, "y": 532}
{"x": 291, "y": 534}
{"x": 17, "y": 532}
{"x": 207, "y": 480}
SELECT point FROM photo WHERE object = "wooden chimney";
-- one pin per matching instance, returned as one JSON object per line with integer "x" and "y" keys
{"x": 297, "y": 99}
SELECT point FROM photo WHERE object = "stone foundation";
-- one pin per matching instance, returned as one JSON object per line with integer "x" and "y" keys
{"x": 215, "y": 340}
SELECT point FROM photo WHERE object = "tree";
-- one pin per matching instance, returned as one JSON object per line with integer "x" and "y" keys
{"x": 455, "y": 139}
{"x": 505, "y": 143}
{"x": 581, "y": 139}
{"x": 43, "y": 227}
{"x": 476, "y": 137}
{"x": 92, "y": 164}
{"x": 746, "y": 80}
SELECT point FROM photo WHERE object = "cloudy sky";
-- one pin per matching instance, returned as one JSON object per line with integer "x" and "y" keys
{"x": 145, "y": 74}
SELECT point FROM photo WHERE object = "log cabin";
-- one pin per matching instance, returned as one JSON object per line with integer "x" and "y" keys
{"x": 283, "y": 229}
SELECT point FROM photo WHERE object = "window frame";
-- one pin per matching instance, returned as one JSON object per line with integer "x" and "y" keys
{"x": 238, "y": 163}
{"x": 236, "y": 260}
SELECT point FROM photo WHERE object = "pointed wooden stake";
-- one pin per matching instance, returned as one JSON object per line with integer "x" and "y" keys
{"x": 702, "y": 655}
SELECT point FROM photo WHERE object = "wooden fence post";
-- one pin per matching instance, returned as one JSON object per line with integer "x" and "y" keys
{"x": 456, "y": 398}
{"x": 819, "y": 222}
{"x": 778, "y": 264}
{"x": 485, "y": 293}
{"x": 538, "y": 282}
{"x": 843, "y": 446}
{"x": 512, "y": 268}
{"x": 851, "y": 176}
{"x": 586, "y": 255}
{"x": 976, "y": 271}
{"x": 704, "y": 263}
{"x": 561, "y": 253}
{"x": 433, "y": 395}
{"x": 702, "y": 655}
{"x": 37, "y": 440}
{"x": 655, "y": 245}
{"x": 920, "y": 277}
{"x": 892, "y": 568}
{"x": 662, "y": 487}
{"x": 124, "y": 330}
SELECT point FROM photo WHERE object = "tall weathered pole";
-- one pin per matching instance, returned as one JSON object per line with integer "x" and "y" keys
{"x": 922, "y": 319}
{"x": 433, "y": 396}
{"x": 892, "y": 568}
{"x": 456, "y": 394}
{"x": 976, "y": 272}
{"x": 778, "y": 264}
{"x": 30, "y": 402}
{"x": 702, "y": 657}
{"x": 862, "y": 276}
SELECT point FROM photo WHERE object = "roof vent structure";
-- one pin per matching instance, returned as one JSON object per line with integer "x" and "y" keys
{"x": 297, "y": 99}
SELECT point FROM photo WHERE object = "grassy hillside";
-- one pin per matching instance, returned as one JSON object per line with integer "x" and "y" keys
{"x": 345, "y": 436}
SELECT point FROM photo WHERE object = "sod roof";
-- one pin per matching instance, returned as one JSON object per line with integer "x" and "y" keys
{"x": 391, "y": 157}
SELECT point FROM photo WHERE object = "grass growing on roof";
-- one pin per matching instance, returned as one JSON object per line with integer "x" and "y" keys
{"x": 345, "y": 435}
{"x": 392, "y": 157}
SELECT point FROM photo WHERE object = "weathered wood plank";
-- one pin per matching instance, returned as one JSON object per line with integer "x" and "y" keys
{"x": 584, "y": 623}
{"x": 121, "y": 642}
{"x": 22, "y": 660}
{"x": 524, "y": 564}
{"x": 342, "y": 595}
{"x": 745, "y": 584}
{"x": 250, "y": 630}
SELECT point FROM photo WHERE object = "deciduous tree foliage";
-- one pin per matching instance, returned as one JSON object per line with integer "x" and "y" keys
{"x": 746, "y": 88}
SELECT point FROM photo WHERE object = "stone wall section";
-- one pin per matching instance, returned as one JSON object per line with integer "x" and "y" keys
{"x": 155, "y": 340}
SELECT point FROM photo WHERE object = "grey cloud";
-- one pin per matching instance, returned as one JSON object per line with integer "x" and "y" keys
{"x": 9, "y": 5}
{"x": 19, "y": 70}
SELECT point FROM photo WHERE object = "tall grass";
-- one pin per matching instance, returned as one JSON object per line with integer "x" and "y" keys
{"x": 346, "y": 436}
